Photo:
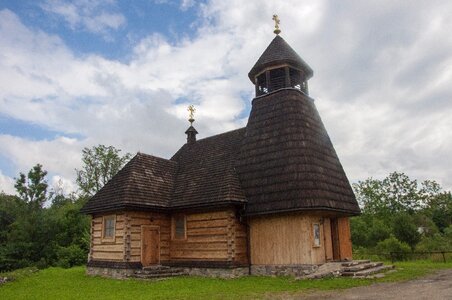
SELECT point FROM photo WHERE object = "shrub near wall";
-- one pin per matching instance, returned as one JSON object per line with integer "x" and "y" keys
{"x": 399, "y": 250}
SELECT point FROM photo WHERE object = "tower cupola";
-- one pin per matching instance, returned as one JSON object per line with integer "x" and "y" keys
{"x": 191, "y": 132}
{"x": 279, "y": 67}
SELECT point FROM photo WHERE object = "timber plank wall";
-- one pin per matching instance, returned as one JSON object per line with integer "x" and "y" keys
{"x": 210, "y": 236}
{"x": 111, "y": 250}
{"x": 138, "y": 219}
{"x": 286, "y": 239}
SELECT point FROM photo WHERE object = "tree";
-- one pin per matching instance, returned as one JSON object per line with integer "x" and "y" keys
{"x": 405, "y": 230}
{"x": 100, "y": 164}
{"x": 396, "y": 207}
{"x": 394, "y": 194}
{"x": 33, "y": 188}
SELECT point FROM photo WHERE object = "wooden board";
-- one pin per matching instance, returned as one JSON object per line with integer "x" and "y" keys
{"x": 208, "y": 237}
{"x": 335, "y": 244}
{"x": 285, "y": 239}
{"x": 327, "y": 239}
{"x": 345, "y": 241}
{"x": 150, "y": 245}
{"x": 107, "y": 249}
{"x": 139, "y": 219}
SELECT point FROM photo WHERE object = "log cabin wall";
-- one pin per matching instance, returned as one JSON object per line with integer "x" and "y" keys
{"x": 286, "y": 240}
{"x": 136, "y": 220}
{"x": 107, "y": 249}
{"x": 211, "y": 236}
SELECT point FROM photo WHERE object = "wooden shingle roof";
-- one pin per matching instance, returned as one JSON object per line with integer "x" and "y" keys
{"x": 206, "y": 174}
{"x": 279, "y": 52}
{"x": 145, "y": 182}
{"x": 200, "y": 174}
{"x": 287, "y": 161}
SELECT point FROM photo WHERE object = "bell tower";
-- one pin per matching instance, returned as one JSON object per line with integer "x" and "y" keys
{"x": 279, "y": 67}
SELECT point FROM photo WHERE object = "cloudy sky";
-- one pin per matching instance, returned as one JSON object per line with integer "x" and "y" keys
{"x": 80, "y": 73}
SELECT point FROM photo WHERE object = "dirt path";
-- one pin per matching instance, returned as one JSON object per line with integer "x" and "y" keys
{"x": 431, "y": 287}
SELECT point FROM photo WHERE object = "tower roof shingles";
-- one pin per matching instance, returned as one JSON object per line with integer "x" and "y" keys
{"x": 279, "y": 52}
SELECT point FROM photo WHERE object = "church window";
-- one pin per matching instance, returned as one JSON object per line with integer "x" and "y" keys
{"x": 108, "y": 227}
{"x": 316, "y": 232}
{"x": 179, "y": 227}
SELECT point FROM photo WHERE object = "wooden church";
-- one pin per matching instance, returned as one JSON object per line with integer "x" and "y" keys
{"x": 269, "y": 198}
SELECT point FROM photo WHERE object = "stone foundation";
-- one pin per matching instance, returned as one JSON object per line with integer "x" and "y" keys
{"x": 218, "y": 272}
{"x": 283, "y": 270}
{"x": 109, "y": 272}
{"x": 258, "y": 270}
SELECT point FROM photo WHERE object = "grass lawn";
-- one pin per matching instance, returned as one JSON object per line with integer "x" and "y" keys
{"x": 57, "y": 283}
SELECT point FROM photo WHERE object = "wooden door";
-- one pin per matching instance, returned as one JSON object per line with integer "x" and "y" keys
{"x": 327, "y": 239}
{"x": 150, "y": 245}
{"x": 335, "y": 239}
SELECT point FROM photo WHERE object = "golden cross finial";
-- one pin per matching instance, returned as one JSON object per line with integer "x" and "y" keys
{"x": 277, "y": 21}
{"x": 192, "y": 110}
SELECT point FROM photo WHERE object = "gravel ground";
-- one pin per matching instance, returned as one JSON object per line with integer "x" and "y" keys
{"x": 431, "y": 287}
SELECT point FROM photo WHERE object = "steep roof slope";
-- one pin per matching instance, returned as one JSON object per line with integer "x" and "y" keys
{"x": 144, "y": 182}
{"x": 279, "y": 52}
{"x": 206, "y": 174}
{"x": 287, "y": 161}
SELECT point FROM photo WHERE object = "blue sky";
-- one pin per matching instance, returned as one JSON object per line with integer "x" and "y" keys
{"x": 79, "y": 73}
{"x": 115, "y": 39}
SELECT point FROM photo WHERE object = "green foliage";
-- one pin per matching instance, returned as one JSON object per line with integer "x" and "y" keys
{"x": 397, "y": 205}
{"x": 367, "y": 231}
{"x": 395, "y": 193}
{"x": 440, "y": 210}
{"x": 34, "y": 235}
{"x": 405, "y": 230}
{"x": 400, "y": 250}
{"x": 70, "y": 256}
{"x": 100, "y": 164}
{"x": 437, "y": 242}
{"x": 33, "y": 188}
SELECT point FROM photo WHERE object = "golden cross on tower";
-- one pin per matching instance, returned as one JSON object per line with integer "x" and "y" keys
{"x": 276, "y": 19}
{"x": 192, "y": 110}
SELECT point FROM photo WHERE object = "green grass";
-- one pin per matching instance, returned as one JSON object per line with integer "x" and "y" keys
{"x": 57, "y": 283}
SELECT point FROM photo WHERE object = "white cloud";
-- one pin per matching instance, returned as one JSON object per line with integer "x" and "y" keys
{"x": 61, "y": 154}
{"x": 92, "y": 16}
{"x": 186, "y": 4}
{"x": 6, "y": 184}
{"x": 62, "y": 185}
{"x": 381, "y": 84}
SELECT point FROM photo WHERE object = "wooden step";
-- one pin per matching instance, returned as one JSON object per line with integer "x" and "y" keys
{"x": 163, "y": 271}
{"x": 361, "y": 267}
{"x": 161, "y": 275}
{"x": 157, "y": 267}
{"x": 355, "y": 263}
{"x": 367, "y": 272}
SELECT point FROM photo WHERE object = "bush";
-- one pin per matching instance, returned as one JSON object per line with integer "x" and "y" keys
{"x": 394, "y": 249}
{"x": 379, "y": 231}
{"x": 71, "y": 256}
{"x": 367, "y": 231}
{"x": 405, "y": 230}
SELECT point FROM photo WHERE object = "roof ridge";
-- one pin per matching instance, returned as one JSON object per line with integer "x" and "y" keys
{"x": 151, "y": 156}
{"x": 220, "y": 134}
